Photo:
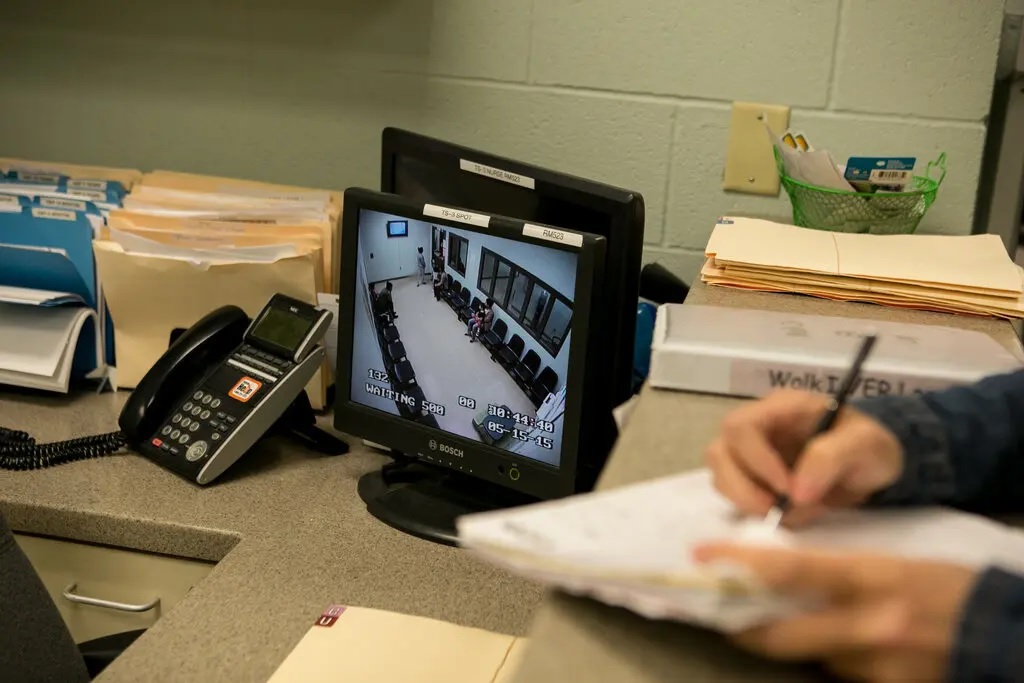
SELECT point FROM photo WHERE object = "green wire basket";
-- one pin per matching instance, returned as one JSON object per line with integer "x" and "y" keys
{"x": 881, "y": 213}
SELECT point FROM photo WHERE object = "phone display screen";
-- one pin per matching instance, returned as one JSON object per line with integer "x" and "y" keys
{"x": 282, "y": 329}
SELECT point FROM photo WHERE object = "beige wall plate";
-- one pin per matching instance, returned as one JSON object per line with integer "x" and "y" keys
{"x": 749, "y": 162}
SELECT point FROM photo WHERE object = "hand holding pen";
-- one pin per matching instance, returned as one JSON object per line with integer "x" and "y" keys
{"x": 807, "y": 451}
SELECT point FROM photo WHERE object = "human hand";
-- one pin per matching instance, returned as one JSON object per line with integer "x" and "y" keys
{"x": 883, "y": 619}
{"x": 765, "y": 448}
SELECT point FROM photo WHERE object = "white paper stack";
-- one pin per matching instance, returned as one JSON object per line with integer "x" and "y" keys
{"x": 632, "y": 547}
{"x": 740, "y": 352}
{"x": 38, "y": 343}
{"x": 952, "y": 274}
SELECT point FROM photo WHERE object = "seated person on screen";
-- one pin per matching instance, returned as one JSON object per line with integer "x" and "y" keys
{"x": 481, "y": 321}
{"x": 385, "y": 302}
{"x": 883, "y": 618}
{"x": 438, "y": 286}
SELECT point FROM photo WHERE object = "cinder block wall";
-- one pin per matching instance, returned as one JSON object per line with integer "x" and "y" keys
{"x": 635, "y": 93}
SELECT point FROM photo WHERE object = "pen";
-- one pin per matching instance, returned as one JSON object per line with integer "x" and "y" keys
{"x": 774, "y": 517}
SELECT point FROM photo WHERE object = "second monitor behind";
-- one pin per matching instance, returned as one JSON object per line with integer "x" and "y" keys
{"x": 431, "y": 170}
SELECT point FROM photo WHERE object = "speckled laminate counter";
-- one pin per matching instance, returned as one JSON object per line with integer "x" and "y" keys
{"x": 289, "y": 531}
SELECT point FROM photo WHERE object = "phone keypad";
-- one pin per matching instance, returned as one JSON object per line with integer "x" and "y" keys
{"x": 197, "y": 421}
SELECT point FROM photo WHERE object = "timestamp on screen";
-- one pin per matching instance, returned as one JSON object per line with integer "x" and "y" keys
{"x": 498, "y": 411}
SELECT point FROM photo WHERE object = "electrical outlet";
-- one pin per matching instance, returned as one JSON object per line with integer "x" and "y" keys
{"x": 749, "y": 160}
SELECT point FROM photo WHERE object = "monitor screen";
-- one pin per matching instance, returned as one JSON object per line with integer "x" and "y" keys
{"x": 465, "y": 332}
{"x": 398, "y": 228}
{"x": 436, "y": 171}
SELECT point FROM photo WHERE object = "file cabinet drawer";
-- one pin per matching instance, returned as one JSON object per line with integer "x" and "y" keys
{"x": 130, "y": 578}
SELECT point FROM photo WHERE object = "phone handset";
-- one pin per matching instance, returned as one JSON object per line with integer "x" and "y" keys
{"x": 203, "y": 345}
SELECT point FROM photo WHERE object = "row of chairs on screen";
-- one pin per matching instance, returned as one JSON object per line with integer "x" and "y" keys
{"x": 524, "y": 369}
{"x": 400, "y": 371}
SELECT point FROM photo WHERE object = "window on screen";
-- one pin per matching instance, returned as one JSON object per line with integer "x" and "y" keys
{"x": 543, "y": 313}
{"x": 501, "y": 282}
{"x": 458, "y": 253}
{"x": 398, "y": 228}
{"x": 517, "y": 299}
{"x": 557, "y": 325}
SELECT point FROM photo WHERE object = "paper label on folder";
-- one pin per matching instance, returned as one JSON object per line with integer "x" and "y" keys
{"x": 81, "y": 184}
{"x": 45, "y": 178}
{"x": 459, "y": 215}
{"x": 88, "y": 194}
{"x": 70, "y": 204}
{"x": 9, "y": 203}
{"x": 55, "y": 214}
{"x": 497, "y": 173}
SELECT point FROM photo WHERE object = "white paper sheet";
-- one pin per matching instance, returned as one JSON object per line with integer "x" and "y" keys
{"x": 35, "y": 340}
{"x": 37, "y": 297}
{"x": 134, "y": 244}
{"x": 632, "y": 547}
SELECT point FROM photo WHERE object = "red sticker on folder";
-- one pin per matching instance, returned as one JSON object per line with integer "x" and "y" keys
{"x": 330, "y": 616}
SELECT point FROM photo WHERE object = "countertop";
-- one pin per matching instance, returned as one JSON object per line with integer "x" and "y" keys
{"x": 286, "y": 526}
{"x": 291, "y": 535}
{"x": 578, "y": 639}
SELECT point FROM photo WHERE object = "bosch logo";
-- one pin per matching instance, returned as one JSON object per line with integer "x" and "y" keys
{"x": 451, "y": 450}
{"x": 433, "y": 445}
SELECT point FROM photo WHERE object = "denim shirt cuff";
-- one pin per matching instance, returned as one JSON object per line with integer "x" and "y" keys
{"x": 927, "y": 475}
{"x": 987, "y": 648}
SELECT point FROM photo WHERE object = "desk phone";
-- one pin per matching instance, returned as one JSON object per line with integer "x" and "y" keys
{"x": 210, "y": 418}
{"x": 223, "y": 384}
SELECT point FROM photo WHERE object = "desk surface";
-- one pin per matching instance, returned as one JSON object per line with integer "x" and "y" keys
{"x": 577, "y": 639}
{"x": 287, "y": 526}
{"x": 291, "y": 536}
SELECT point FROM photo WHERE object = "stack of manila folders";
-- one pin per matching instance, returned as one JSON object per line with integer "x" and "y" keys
{"x": 952, "y": 274}
{"x": 184, "y": 245}
{"x": 632, "y": 547}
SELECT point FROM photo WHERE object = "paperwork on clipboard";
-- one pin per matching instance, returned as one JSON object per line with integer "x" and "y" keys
{"x": 632, "y": 547}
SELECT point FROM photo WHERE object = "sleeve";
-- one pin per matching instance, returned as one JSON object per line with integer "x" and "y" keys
{"x": 991, "y": 629}
{"x": 962, "y": 446}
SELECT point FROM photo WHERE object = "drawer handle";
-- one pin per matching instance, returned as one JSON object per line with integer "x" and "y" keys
{"x": 70, "y": 596}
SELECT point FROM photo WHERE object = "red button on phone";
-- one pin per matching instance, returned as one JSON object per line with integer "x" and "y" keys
{"x": 158, "y": 443}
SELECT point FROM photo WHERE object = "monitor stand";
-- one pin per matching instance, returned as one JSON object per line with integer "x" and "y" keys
{"x": 424, "y": 500}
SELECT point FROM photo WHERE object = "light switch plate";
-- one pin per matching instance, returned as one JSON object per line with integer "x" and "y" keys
{"x": 749, "y": 161}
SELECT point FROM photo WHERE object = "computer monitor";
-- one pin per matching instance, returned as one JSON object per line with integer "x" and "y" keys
{"x": 475, "y": 370}
{"x": 431, "y": 170}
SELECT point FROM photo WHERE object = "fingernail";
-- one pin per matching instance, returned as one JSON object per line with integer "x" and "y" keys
{"x": 804, "y": 492}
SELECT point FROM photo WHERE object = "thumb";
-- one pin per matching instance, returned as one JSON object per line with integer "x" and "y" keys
{"x": 822, "y": 466}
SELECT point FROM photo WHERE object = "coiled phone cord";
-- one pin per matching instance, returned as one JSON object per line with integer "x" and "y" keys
{"x": 19, "y": 451}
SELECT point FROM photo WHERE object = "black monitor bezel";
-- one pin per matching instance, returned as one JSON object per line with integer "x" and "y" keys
{"x": 625, "y": 241}
{"x": 480, "y": 460}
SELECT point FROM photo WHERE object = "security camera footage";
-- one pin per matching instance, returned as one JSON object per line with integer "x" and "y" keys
{"x": 464, "y": 332}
